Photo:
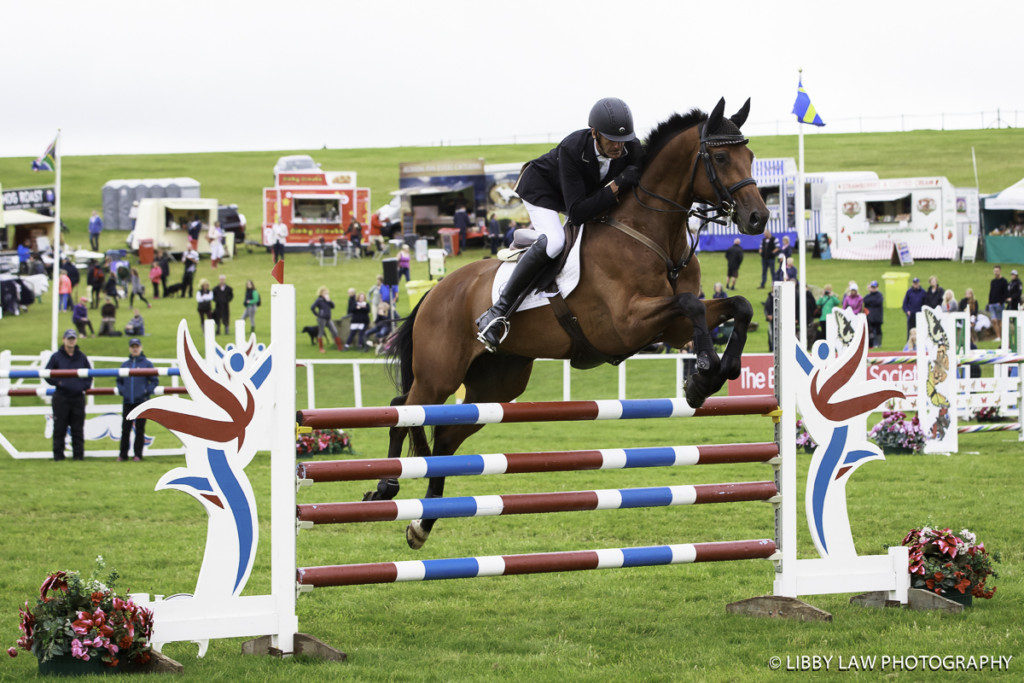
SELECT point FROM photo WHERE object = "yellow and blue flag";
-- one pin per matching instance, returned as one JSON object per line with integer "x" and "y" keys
{"x": 804, "y": 110}
{"x": 48, "y": 160}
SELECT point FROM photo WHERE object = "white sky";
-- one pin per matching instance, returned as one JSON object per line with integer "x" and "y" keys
{"x": 137, "y": 76}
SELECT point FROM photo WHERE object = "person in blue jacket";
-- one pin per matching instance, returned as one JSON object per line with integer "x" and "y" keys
{"x": 69, "y": 397}
{"x": 134, "y": 391}
{"x": 913, "y": 300}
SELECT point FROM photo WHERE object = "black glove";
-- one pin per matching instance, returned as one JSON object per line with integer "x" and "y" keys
{"x": 629, "y": 177}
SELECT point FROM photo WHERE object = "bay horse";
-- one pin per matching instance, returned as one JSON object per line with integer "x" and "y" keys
{"x": 632, "y": 291}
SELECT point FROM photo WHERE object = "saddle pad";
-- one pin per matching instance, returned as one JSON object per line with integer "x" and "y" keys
{"x": 566, "y": 280}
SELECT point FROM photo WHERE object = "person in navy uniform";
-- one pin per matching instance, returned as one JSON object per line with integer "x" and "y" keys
{"x": 583, "y": 177}
{"x": 134, "y": 391}
{"x": 69, "y": 397}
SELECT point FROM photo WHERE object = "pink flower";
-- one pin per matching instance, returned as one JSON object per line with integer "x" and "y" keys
{"x": 78, "y": 651}
{"x": 12, "y": 652}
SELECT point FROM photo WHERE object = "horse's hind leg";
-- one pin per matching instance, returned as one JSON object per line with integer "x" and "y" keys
{"x": 388, "y": 488}
{"x": 491, "y": 378}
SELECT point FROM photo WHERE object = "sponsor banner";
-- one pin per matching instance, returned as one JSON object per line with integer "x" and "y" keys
{"x": 757, "y": 375}
{"x": 441, "y": 168}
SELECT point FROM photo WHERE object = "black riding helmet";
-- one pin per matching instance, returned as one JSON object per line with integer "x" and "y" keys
{"x": 612, "y": 119}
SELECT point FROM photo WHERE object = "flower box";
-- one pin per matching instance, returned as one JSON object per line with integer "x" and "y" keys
{"x": 954, "y": 566}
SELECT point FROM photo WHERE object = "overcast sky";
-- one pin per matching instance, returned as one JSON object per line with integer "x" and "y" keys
{"x": 135, "y": 76}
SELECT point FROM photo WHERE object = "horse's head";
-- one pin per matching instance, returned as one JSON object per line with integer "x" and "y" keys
{"x": 726, "y": 182}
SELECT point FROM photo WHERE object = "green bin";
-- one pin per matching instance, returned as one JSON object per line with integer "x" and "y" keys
{"x": 895, "y": 288}
{"x": 415, "y": 289}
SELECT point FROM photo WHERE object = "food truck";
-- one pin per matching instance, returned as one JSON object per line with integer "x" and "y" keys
{"x": 865, "y": 219}
{"x": 314, "y": 204}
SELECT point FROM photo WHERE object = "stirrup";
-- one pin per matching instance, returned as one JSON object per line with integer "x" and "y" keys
{"x": 481, "y": 335}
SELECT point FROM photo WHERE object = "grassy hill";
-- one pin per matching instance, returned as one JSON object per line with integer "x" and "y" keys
{"x": 238, "y": 177}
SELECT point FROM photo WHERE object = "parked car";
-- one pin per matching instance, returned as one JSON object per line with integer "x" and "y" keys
{"x": 232, "y": 221}
{"x": 295, "y": 163}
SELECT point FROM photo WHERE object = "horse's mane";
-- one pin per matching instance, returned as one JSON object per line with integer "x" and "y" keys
{"x": 663, "y": 133}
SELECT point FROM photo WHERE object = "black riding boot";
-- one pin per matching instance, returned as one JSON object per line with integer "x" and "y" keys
{"x": 493, "y": 324}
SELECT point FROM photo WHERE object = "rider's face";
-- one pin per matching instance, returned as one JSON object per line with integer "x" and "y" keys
{"x": 609, "y": 148}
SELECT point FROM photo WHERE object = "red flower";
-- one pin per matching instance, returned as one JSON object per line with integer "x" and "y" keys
{"x": 56, "y": 581}
{"x": 939, "y": 576}
{"x": 125, "y": 642}
{"x": 963, "y": 585}
{"x": 97, "y": 597}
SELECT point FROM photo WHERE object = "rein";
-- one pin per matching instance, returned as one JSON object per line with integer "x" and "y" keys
{"x": 720, "y": 213}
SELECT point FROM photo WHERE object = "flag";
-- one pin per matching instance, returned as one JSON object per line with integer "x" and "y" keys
{"x": 804, "y": 110}
{"x": 48, "y": 160}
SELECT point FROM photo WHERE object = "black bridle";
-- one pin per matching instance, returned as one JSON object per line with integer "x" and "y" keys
{"x": 724, "y": 208}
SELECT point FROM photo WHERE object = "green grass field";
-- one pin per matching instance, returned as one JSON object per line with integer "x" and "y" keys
{"x": 647, "y": 623}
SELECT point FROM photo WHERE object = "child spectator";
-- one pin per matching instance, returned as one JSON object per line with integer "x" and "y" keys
{"x": 155, "y": 274}
{"x": 381, "y": 326}
{"x": 853, "y": 300}
{"x": 138, "y": 290}
{"x": 949, "y": 304}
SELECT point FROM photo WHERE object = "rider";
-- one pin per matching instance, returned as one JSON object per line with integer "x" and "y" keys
{"x": 583, "y": 177}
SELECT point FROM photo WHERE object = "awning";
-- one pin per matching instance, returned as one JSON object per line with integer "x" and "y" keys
{"x": 883, "y": 196}
{"x": 430, "y": 189}
{"x": 23, "y": 217}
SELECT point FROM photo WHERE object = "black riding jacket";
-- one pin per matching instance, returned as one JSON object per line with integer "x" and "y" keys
{"x": 566, "y": 179}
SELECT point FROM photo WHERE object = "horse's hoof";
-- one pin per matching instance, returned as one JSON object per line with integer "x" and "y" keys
{"x": 694, "y": 396}
{"x": 731, "y": 368}
{"x": 415, "y": 534}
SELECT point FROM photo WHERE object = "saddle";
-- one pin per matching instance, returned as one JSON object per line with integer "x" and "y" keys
{"x": 583, "y": 355}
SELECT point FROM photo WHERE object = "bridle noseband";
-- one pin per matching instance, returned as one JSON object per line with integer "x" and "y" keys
{"x": 725, "y": 206}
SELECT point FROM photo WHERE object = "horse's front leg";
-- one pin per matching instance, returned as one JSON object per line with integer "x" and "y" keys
{"x": 737, "y": 309}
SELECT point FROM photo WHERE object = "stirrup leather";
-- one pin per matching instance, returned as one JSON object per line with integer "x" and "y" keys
{"x": 482, "y": 334}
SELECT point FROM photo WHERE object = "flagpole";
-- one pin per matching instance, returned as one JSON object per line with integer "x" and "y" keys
{"x": 56, "y": 247}
{"x": 801, "y": 229}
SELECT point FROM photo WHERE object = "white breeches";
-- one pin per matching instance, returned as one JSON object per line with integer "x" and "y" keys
{"x": 547, "y": 222}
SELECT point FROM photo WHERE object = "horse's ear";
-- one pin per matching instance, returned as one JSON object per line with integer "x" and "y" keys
{"x": 715, "y": 119}
{"x": 740, "y": 117}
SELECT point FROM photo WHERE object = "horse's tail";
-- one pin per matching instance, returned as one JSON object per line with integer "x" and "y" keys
{"x": 399, "y": 352}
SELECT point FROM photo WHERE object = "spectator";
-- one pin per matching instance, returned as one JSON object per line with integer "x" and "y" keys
{"x": 354, "y": 233}
{"x": 251, "y": 301}
{"x": 825, "y": 303}
{"x": 80, "y": 317}
{"x": 767, "y": 250}
{"x": 719, "y": 292}
{"x": 134, "y": 392}
{"x": 191, "y": 260}
{"x": 154, "y": 278}
{"x": 874, "y": 306}
{"x": 24, "y": 257}
{"x": 222, "y": 296}
{"x": 94, "y": 279}
{"x": 949, "y": 304}
{"x": 323, "y": 309}
{"x": 510, "y": 234}
{"x": 853, "y": 300}
{"x": 769, "y": 315}
{"x": 913, "y": 300}
{"x": 460, "y": 220}
{"x": 1013, "y": 292}
{"x": 998, "y": 292}
{"x": 279, "y": 235}
{"x": 69, "y": 397}
{"x": 979, "y": 321}
{"x": 195, "y": 228}
{"x": 133, "y": 215}
{"x": 786, "y": 249}
{"x": 64, "y": 289}
{"x": 733, "y": 259}
{"x": 110, "y": 289}
{"x": 359, "y": 310}
{"x": 969, "y": 304}
{"x": 381, "y": 325}
{"x": 164, "y": 260}
{"x": 404, "y": 258}
{"x": 911, "y": 345}
{"x": 108, "y": 319}
{"x": 136, "y": 327}
{"x": 95, "y": 228}
{"x": 494, "y": 234}
{"x": 379, "y": 292}
{"x": 204, "y": 302}
{"x": 933, "y": 295}
{"x": 138, "y": 290}
{"x": 786, "y": 271}
{"x": 68, "y": 267}
{"x": 215, "y": 236}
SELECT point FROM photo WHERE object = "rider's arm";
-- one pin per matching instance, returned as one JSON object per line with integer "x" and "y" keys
{"x": 578, "y": 206}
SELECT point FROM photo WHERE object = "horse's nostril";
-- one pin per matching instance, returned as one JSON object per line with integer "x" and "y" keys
{"x": 755, "y": 218}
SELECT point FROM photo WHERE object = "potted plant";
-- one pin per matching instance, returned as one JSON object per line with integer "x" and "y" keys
{"x": 81, "y": 626}
{"x": 803, "y": 438}
{"x": 987, "y": 414}
{"x": 323, "y": 441}
{"x": 953, "y": 566}
{"x": 896, "y": 434}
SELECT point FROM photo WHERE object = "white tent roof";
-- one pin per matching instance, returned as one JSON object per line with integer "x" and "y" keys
{"x": 1009, "y": 199}
{"x": 23, "y": 217}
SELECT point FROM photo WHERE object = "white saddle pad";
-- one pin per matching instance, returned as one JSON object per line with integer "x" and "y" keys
{"x": 566, "y": 280}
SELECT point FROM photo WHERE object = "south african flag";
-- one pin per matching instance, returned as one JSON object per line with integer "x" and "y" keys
{"x": 48, "y": 160}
